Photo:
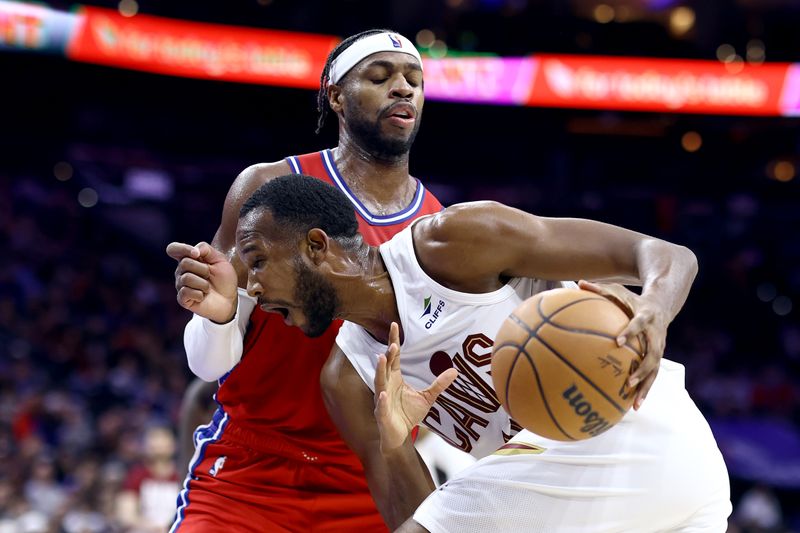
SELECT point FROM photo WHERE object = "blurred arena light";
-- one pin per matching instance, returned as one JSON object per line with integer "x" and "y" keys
{"x": 425, "y": 38}
{"x": 681, "y": 20}
{"x": 726, "y": 52}
{"x": 128, "y": 8}
{"x": 766, "y": 292}
{"x": 62, "y": 171}
{"x": 623, "y": 13}
{"x": 782, "y": 305}
{"x": 438, "y": 49}
{"x": 735, "y": 65}
{"x": 603, "y": 13}
{"x": 755, "y": 51}
{"x": 87, "y": 197}
{"x": 781, "y": 170}
{"x": 691, "y": 141}
{"x": 148, "y": 183}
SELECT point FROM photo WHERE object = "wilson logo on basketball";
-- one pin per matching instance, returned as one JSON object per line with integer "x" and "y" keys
{"x": 593, "y": 423}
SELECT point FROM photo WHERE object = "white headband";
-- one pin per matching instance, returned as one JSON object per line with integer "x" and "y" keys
{"x": 379, "y": 42}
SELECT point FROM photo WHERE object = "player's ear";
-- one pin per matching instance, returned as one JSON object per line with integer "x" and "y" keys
{"x": 335, "y": 98}
{"x": 317, "y": 244}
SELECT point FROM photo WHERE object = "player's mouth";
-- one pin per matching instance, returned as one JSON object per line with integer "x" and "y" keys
{"x": 402, "y": 114}
{"x": 283, "y": 311}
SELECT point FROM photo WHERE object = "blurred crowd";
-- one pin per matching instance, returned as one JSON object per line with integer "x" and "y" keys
{"x": 91, "y": 372}
{"x": 92, "y": 369}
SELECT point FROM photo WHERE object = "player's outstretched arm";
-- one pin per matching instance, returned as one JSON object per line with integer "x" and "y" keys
{"x": 497, "y": 242}
{"x": 398, "y": 481}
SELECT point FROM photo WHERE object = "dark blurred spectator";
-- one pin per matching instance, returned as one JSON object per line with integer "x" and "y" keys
{"x": 759, "y": 511}
{"x": 146, "y": 503}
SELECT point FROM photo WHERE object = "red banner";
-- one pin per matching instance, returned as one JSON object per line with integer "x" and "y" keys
{"x": 270, "y": 57}
{"x": 661, "y": 85}
{"x": 198, "y": 50}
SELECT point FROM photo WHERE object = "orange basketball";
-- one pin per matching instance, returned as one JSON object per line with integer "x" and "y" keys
{"x": 557, "y": 368}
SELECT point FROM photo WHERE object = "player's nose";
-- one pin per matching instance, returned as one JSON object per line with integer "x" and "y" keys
{"x": 254, "y": 287}
{"x": 401, "y": 88}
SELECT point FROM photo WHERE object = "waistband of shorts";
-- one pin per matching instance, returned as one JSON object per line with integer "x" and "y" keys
{"x": 271, "y": 442}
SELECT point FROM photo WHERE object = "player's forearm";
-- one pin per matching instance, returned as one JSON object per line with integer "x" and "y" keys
{"x": 213, "y": 349}
{"x": 194, "y": 412}
{"x": 404, "y": 485}
{"x": 667, "y": 272}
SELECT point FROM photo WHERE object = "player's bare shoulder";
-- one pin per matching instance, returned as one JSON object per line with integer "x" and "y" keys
{"x": 254, "y": 176}
{"x": 467, "y": 222}
{"x": 458, "y": 236}
{"x": 245, "y": 184}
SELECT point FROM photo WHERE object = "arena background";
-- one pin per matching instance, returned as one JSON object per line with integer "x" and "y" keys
{"x": 101, "y": 167}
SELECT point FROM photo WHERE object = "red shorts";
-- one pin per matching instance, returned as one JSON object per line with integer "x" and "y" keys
{"x": 233, "y": 488}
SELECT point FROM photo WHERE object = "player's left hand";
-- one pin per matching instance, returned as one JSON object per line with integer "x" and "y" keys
{"x": 648, "y": 321}
{"x": 398, "y": 407}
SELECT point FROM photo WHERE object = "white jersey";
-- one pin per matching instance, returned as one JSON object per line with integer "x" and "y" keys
{"x": 443, "y": 328}
{"x": 658, "y": 469}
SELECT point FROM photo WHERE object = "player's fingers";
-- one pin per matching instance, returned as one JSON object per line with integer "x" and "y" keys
{"x": 443, "y": 380}
{"x": 393, "y": 350}
{"x": 179, "y": 250}
{"x": 380, "y": 374}
{"x": 614, "y": 292}
{"x": 394, "y": 333}
{"x": 641, "y": 394}
{"x": 188, "y": 297}
{"x": 188, "y": 264}
{"x": 635, "y": 328}
{"x": 209, "y": 254}
{"x": 192, "y": 281}
{"x": 381, "y": 406}
{"x": 649, "y": 364}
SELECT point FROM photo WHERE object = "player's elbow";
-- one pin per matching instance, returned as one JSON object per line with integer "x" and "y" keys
{"x": 690, "y": 260}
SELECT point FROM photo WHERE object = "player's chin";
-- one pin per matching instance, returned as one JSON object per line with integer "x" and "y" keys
{"x": 314, "y": 329}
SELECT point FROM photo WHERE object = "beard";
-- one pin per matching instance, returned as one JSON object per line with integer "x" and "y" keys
{"x": 318, "y": 300}
{"x": 368, "y": 134}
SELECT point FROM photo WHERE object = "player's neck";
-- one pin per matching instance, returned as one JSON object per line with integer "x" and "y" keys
{"x": 380, "y": 183}
{"x": 367, "y": 296}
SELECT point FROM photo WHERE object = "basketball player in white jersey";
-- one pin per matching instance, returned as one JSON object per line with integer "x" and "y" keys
{"x": 439, "y": 291}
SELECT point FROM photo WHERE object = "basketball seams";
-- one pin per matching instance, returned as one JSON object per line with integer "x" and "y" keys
{"x": 510, "y": 373}
{"x": 547, "y": 319}
{"x": 541, "y": 391}
{"x": 521, "y": 350}
{"x": 534, "y": 334}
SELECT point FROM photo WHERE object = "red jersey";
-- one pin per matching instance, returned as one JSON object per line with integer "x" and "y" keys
{"x": 272, "y": 398}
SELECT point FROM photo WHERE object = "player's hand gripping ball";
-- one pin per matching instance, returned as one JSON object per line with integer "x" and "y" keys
{"x": 557, "y": 368}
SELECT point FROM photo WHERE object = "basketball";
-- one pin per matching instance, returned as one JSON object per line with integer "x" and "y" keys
{"x": 557, "y": 368}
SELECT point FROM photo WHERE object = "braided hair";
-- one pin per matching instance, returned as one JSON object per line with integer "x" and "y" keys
{"x": 324, "y": 79}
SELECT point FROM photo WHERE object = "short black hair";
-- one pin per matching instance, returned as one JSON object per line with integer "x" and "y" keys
{"x": 322, "y": 97}
{"x": 301, "y": 203}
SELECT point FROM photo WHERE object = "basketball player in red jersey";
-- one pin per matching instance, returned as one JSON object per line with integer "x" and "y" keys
{"x": 271, "y": 459}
